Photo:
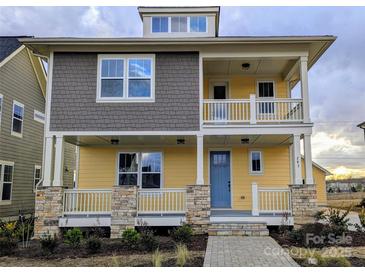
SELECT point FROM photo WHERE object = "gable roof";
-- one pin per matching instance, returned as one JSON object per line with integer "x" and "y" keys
{"x": 321, "y": 168}
{"x": 8, "y": 44}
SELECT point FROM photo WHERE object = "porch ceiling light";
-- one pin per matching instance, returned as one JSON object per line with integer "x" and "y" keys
{"x": 114, "y": 141}
{"x": 245, "y": 66}
{"x": 245, "y": 141}
{"x": 180, "y": 141}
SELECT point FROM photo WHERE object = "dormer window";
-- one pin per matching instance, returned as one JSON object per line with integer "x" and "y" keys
{"x": 160, "y": 24}
{"x": 198, "y": 23}
{"x": 179, "y": 24}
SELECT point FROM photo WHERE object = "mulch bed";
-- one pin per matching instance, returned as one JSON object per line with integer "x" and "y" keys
{"x": 356, "y": 262}
{"x": 110, "y": 247}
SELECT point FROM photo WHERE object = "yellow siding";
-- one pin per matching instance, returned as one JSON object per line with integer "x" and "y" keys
{"x": 98, "y": 168}
{"x": 242, "y": 86}
{"x": 319, "y": 177}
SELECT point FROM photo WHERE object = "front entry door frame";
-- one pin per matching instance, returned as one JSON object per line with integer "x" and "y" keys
{"x": 230, "y": 170}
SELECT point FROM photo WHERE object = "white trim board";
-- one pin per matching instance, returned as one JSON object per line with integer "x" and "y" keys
{"x": 14, "y": 53}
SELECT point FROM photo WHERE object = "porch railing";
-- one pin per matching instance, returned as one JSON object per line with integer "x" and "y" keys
{"x": 86, "y": 202}
{"x": 253, "y": 111}
{"x": 270, "y": 200}
{"x": 161, "y": 201}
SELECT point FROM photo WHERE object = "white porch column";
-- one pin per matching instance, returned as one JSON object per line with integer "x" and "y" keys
{"x": 255, "y": 200}
{"x": 47, "y": 164}
{"x": 200, "y": 160}
{"x": 252, "y": 109}
{"x": 58, "y": 162}
{"x": 308, "y": 159}
{"x": 304, "y": 88}
{"x": 297, "y": 160}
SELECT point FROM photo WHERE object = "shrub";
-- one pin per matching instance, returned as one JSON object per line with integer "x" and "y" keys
{"x": 362, "y": 203}
{"x": 156, "y": 258}
{"x": 130, "y": 237}
{"x": 7, "y": 245}
{"x": 182, "y": 254}
{"x": 73, "y": 237}
{"x": 182, "y": 234}
{"x": 362, "y": 217}
{"x": 48, "y": 243}
{"x": 148, "y": 240}
{"x": 336, "y": 262}
{"x": 93, "y": 245}
{"x": 335, "y": 217}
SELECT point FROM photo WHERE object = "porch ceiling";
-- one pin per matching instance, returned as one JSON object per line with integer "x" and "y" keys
{"x": 264, "y": 66}
{"x": 150, "y": 141}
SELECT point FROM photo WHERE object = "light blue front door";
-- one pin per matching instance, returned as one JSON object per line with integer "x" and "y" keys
{"x": 220, "y": 179}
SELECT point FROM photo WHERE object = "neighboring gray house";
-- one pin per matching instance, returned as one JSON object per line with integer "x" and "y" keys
{"x": 22, "y": 108}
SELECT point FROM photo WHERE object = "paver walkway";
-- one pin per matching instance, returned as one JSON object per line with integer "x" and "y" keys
{"x": 245, "y": 251}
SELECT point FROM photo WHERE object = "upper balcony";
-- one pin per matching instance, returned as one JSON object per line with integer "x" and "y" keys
{"x": 254, "y": 91}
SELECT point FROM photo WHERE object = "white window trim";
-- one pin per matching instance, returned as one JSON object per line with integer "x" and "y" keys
{"x": 6, "y": 163}
{"x": 261, "y": 172}
{"x": 17, "y": 134}
{"x": 1, "y": 107}
{"x": 139, "y": 172}
{"x": 265, "y": 81}
{"x": 125, "y": 98}
{"x": 187, "y": 22}
{"x": 35, "y": 168}
{"x": 36, "y": 112}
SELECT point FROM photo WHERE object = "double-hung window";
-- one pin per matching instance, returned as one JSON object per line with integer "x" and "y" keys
{"x": 160, "y": 24}
{"x": 256, "y": 165}
{"x": 6, "y": 180}
{"x": 125, "y": 78}
{"x": 266, "y": 90}
{"x": 17, "y": 119}
{"x": 140, "y": 168}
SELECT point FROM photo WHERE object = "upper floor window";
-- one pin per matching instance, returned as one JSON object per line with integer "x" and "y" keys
{"x": 266, "y": 89}
{"x": 125, "y": 78}
{"x": 6, "y": 180}
{"x": 198, "y": 24}
{"x": 179, "y": 24}
{"x": 17, "y": 120}
{"x": 160, "y": 24}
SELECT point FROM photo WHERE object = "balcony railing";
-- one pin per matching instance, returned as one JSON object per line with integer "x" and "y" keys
{"x": 252, "y": 111}
{"x": 161, "y": 201}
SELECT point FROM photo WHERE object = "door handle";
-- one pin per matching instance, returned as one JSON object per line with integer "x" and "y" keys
{"x": 229, "y": 186}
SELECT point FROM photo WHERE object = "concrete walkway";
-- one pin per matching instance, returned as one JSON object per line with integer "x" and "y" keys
{"x": 245, "y": 251}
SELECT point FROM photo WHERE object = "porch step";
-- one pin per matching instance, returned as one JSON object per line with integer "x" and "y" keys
{"x": 238, "y": 229}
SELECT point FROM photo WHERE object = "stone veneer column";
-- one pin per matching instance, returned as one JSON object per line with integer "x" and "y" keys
{"x": 198, "y": 207}
{"x": 304, "y": 203}
{"x": 48, "y": 210}
{"x": 124, "y": 209}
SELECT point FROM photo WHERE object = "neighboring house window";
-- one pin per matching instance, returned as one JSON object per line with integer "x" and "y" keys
{"x": 37, "y": 175}
{"x": 266, "y": 90}
{"x": 39, "y": 116}
{"x": 1, "y": 106}
{"x": 198, "y": 24}
{"x": 6, "y": 180}
{"x": 160, "y": 24}
{"x": 256, "y": 162}
{"x": 179, "y": 24}
{"x": 126, "y": 78}
{"x": 17, "y": 120}
{"x": 142, "y": 169}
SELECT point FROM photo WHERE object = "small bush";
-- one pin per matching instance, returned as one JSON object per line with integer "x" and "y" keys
{"x": 362, "y": 203}
{"x": 182, "y": 234}
{"x": 93, "y": 245}
{"x": 336, "y": 262}
{"x": 7, "y": 245}
{"x": 148, "y": 240}
{"x": 182, "y": 255}
{"x": 131, "y": 237}
{"x": 73, "y": 237}
{"x": 48, "y": 243}
{"x": 156, "y": 258}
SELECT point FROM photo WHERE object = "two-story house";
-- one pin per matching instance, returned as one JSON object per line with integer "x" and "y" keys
{"x": 22, "y": 120}
{"x": 180, "y": 125}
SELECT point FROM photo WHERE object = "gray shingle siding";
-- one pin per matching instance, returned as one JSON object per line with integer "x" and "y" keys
{"x": 74, "y": 106}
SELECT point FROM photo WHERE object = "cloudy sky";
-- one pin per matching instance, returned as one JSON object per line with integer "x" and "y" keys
{"x": 337, "y": 81}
